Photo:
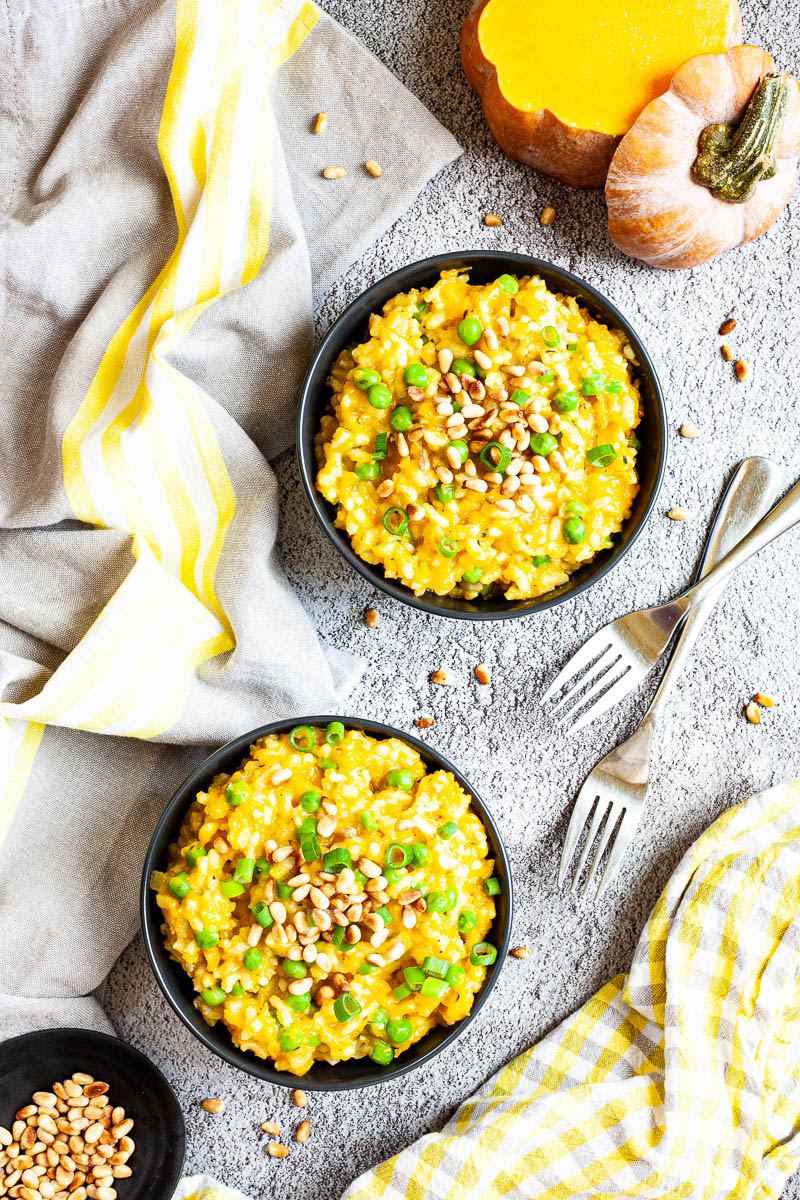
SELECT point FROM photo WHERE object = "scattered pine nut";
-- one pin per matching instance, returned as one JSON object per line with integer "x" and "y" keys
{"x": 333, "y": 173}
{"x": 690, "y": 431}
{"x": 764, "y": 699}
{"x": 300, "y": 1098}
{"x": 520, "y": 952}
{"x": 303, "y": 1130}
{"x": 277, "y": 1150}
{"x": 424, "y": 722}
{"x": 727, "y": 326}
{"x": 214, "y": 1105}
{"x": 492, "y": 220}
{"x": 742, "y": 370}
{"x": 374, "y": 168}
{"x": 726, "y": 353}
{"x": 753, "y": 713}
{"x": 482, "y": 673}
{"x": 372, "y": 618}
{"x": 548, "y": 215}
{"x": 440, "y": 676}
{"x": 321, "y": 123}
{"x": 680, "y": 514}
{"x": 272, "y": 1127}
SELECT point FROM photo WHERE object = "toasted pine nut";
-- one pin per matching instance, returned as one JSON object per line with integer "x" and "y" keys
{"x": 764, "y": 699}
{"x": 277, "y": 1150}
{"x": 727, "y": 326}
{"x": 492, "y": 220}
{"x": 303, "y": 1130}
{"x": 548, "y": 215}
{"x": 321, "y": 123}
{"x": 374, "y": 168}
{"x": 482, "y": 673}
{"x": 213, "y": 1105}
{"x": 445, "y": 360}
{"x": 272, "y": 1127}
{"x": 520, "y": 952}
{"x": 753, "y": 713}
{"x": 482, "y": 359}
{"x": 680, "y": 514}
{"x": 300, "y": 1098}
{"x": 332, "y": 173}
{"x": 424, "y": 722}
{"x": 689, "y": 431}
{"x": 726, "y": 353}
{"x": 742, "y": 370}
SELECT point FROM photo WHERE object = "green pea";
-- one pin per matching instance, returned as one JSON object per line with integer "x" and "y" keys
{"x": 194, "y": 854}
{"x": 455, "y": 973}
{"x": 379, "y": 1019}
{"x": 466, "y": 920}
{"x": 400, "y": 778}
{"x": 575, "y": 508}
{"x": 473, "y": 575}
{"x": 379, "y": 395}
{"x": 310, "y": 800}
{"x": 236, "y": 990}
{"x": 312, "y": 1040}
{"x": 298, "y": 1004}
{"x": 368, "y": 470}
{"x": 543, "y": 443}
{"x": 382, "y": 1053}
{"x": 469, "y": 330}
{"x": 393, "y": 874}
{"x": 574, "y": 531}
{"x": 399, "y": 1030}
{"x": 401, "y": 419}
{"x": 565, "y": 401}
{"x": 463, "y": 366}
{"x": 288, "y": 1039}
{"x": 451, "y": 899}
{"x": 295, "y": 970}
{"x": 507, "y": 283}
{"x": 213, "y": 996}
{"x": 365, "y": 378}
{"x": 436, "y": 902}
{"x": 252, "y": 959}
{"x": 416, "y": 375}
{"x": 419, "y": 853}
{"x": 461, "y": 448}
{"x": 206, "y": 938}
{"x": 540, "y": 560}
{"x": 444, "y": 492}
{"x": 593, "y": 384}
{"x": 236, "y": 792}
{"x": 179, "y": 886}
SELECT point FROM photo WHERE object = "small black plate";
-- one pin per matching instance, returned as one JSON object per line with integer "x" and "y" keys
{"x": 33, "y": 1062}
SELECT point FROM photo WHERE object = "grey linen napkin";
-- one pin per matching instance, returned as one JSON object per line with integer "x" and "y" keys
{"x": 87, "y": 225}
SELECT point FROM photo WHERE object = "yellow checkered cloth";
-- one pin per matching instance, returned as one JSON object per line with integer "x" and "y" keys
{"x": 680, "y": 1079}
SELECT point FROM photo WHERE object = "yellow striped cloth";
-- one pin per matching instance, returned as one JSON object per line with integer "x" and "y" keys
{"x": 679, "y": 1079}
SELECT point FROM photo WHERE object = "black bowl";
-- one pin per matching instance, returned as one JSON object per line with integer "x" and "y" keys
{"x": 177, "y": 987}
{"x": 351, "y": 328}
{"x": 33, "y": 1062}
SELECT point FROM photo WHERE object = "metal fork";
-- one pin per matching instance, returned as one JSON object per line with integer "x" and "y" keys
{"x": 617, "y": 786}
{"x": 637, "y": 641}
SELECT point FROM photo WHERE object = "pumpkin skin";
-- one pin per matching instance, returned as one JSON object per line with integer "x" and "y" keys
{"x": 541, "y": 139}
{"x": 656, "y": 210}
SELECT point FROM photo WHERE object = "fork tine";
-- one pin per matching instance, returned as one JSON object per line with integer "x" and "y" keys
{"x": 580, "y": 659}
{"x": 630, "y": 823}
{"x": 618, "y": 690}
{"x": 605, "y": 839}
{"x": 601, "y": 808}
{"x": 594, "y": 676}
{"x": 580, "y": 813}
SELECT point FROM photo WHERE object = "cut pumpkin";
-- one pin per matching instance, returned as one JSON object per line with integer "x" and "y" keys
{"x": 562, "y": 82}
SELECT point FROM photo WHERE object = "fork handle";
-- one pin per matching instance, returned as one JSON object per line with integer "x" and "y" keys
{"x": 783, "y": 517}
{"x": 749, "y": 495}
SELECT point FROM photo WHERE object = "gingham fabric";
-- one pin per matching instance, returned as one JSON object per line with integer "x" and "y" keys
{"x": 680, "y": 1079}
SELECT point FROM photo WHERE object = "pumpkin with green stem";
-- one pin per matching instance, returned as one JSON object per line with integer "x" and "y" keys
{"x": 708, "y": 165}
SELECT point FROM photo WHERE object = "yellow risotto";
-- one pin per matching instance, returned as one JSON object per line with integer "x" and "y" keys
{"x": 330, "y": 899}
{"x": 482, "y": 439}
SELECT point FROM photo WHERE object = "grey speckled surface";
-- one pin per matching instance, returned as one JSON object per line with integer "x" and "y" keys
{"x": 708, "y": 756}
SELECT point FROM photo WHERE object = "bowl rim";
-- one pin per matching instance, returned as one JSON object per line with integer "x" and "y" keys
{"x": 307, "y": 466}
{"x": 154, "y": 946}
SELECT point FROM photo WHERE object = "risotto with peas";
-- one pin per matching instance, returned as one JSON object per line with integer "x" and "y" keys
{"x": 482, "y": 439}
{"x": 331, "y": 899}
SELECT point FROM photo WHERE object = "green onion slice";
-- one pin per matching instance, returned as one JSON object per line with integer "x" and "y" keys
{"x": 601, "y": 456}
{"x": 395, "y": 521}
{"x": 398, "y": 855}
{"x": 381, "y": 447}
{"x": 345, "y": 1007}
{"x": 550, "y": 336}
{"x": 483, "y": 954}
{"x": 335, "y": 860}
{"x": 448, "y": 547}
{"x": 306, "y": 735}
{"x": 503, "y": 456}
{"x": 334, "y": 734}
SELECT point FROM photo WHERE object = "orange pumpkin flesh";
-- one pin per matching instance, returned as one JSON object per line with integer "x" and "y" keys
{"x": 656, "y": 210}
{"x": 560, "y": 84}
